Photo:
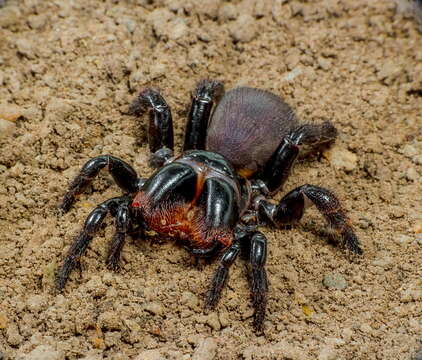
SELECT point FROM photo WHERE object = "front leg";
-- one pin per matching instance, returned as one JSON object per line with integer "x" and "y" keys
{"x": 206, "y": 94}
{"x": 92, "y": 225}
{"x": 218, "y": 199}
{"x": 160, "y": 129}
{"x": 292, "y": 206}
{"x": 123, "y": 174}
{"x": 122, "y": 222}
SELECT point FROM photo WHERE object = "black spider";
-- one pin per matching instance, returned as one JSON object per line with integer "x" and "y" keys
{"x": 213, "y": 196}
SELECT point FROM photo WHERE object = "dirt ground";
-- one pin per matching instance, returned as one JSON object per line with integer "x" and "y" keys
{"x": 69, "y": 69}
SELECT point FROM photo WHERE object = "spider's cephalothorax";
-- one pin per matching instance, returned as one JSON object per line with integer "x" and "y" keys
{"x": 213, "y": 196}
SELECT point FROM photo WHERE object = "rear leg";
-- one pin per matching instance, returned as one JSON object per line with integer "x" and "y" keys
{"x": 292, "y": 206}
{"x": 123, "y": 174}
{"x": 278, "y": 167}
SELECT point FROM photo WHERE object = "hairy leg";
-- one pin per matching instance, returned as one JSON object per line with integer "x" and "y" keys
{"x": 206, "y": 94}
{"x": 123, "y": 174}
{"x": 220, "y": 276}
{"x": 80, "y": 244}
{"x": 122, "y": 222}
{"x": 256, "y": 245}
{"x": 278, "y": 167}
{"x": 292, "y": 206}
{"x": 160, "y": 129}
{"x": 259, "y": 283}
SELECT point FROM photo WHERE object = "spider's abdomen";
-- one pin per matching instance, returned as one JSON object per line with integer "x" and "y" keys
{"x": 247, "y": 126}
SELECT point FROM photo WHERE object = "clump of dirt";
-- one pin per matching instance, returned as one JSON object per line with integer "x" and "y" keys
{"x": 68, "y": 71}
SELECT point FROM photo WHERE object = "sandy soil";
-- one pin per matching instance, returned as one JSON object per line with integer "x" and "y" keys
{"x": 69, "y": 69}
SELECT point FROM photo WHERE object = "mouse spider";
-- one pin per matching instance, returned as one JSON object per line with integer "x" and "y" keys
{"x": 213, "y": 197}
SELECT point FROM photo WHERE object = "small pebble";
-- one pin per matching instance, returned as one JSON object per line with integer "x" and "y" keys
{"x": 417, "y": 159}
{"x": 417, "y": 228}
{"x": 190, "y": 299}
{"x": 154, "y": 308}
{"x": 335, "y": 281}
{"x": 324, "y": 64}
{"x": 341, "y": 159}
{"x": 36, "y": 303}
{"x": 364, "y": 223}
{"x": 4, "y": 321}
{"x": 179, "y": 29}
{"x": 37, "y": 21}
{"x": 403, "y": 239}
{"x": 227, "y": 12}
{"x": 412, "y": 174}
{"x": 244, "y": 29}
{"x": 9, "y": 16}
{"x": 206, "y": 350}
{"x": 109, "y": 320}
{"x": 12, "y": 335}
{"x": 224, "y": 319}
{"x": 209, "y": 8}
{"x": 328, "y": 353}
{"x": 373, "y": 143}
{"x": 130, "y": 25}
{"x": 108, "y": 278}
{"x": 409, "y": 150}
{"x": 213, "y": 321}
{"x": 150, "y": 355}
{"x": 262, "y": 8}
{"x": 25, "y": 48}
{"x": 291, "y": 75}
{"x": 389, "y": 71}
{"x": 412, "y": 292}
{"x": 292, "y": 58}
{"x": 382, "y": 262}
{"x": 96, "y": 287}
{"x": 10, "y": 112}
{"x": 159, "y": 19}
{"x": 6, "y": 127}
{"x": 44, "y": 352}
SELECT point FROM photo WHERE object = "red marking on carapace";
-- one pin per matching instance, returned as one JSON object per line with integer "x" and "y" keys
{"x": 184, "y": 221}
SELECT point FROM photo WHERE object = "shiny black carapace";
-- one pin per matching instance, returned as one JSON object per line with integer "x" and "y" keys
{"x": 212, "y": 198}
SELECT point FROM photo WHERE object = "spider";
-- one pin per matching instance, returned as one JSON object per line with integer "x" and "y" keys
{"x": 213, "y": 197}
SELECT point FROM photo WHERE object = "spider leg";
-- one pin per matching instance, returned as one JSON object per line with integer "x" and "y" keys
{"x": 259, "y": 283}
{"x": 206, "y": 94}
{"x": 123, "y": 174}
{"x": 278, "y": 167}
{"x": 91, "y": 226}
{"x": 122, "y": 222}
{"x": 292, "y": 206}
{"x": 160, "y": 129}
{"x": 220, "y": 276}
{"x": 256, "y": 243}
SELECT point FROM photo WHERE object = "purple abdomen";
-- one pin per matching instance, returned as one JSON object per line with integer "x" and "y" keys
{"x": 247, "y": 126}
